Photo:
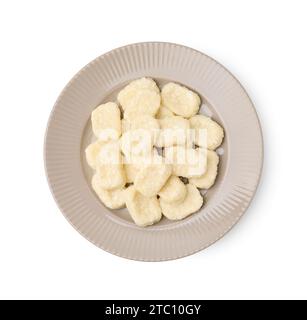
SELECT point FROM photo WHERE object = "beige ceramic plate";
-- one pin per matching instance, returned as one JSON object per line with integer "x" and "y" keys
{"x": 69, "y": 132}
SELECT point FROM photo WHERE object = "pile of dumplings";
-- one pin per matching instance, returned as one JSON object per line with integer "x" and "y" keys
{"x": 140, "y": 156}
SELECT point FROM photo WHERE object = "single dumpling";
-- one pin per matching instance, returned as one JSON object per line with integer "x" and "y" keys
{"x": 142, "y": 102}
{"x": 143, "y": 210}
{"x": 187, "y": 162}
{"x": 174, "y": 190}
{"x": 113, "y": 199}
{"x": 106, "y": 123}
{"x": 208, "y": 133}
{"x": 141, "y": 96}
{"x": 174, "y": 131}
{"x": 208, "y": 178}
{"x": 152, "y": 177}
{"x": 112, "y": 176}
{"x": 92, "y": 151}
{"x": 110, "y": 166}
{"x": 180, "y": 100}
{"x": 138, "y": 84}
{"x": 179, "y": 210}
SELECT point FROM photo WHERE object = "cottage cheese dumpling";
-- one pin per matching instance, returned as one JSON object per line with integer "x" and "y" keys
{"x": 152, "y": 177}
{"x": 113, "y": 199}
{"x": 142, "y": 102}
{"x": 208, "y": 178}
{"x": 179, "y": 210}
{"x": 112, "y": 176}
{"x": 106, "y": 121}
{"x": 186, "y": 162}
{"x": 180, "y": 100}
{"x": 92, "y": 151}
{"x": 214, "y": 133}
{"x": 143, "y": 210}
{"x": 174, "y": 131}
{"x": 173, "y": 191}
{"x": 141, "y": 96}
{"x": 110, "y": 166}
{"x": 138, "y": 84}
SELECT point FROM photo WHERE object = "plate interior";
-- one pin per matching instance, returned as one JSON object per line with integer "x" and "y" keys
{"x": 122, "y": 215}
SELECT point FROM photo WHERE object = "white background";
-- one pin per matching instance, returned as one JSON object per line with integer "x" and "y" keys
{"x": 44, "y": 43}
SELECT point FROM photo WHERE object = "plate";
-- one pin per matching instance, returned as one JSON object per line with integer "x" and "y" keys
{"x": 69, "y": 132}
